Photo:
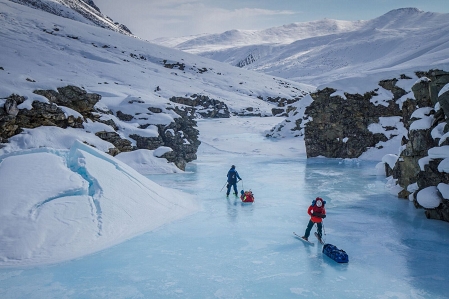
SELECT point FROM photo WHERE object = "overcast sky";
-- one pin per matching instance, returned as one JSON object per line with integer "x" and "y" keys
{"x": 150, "y": 19}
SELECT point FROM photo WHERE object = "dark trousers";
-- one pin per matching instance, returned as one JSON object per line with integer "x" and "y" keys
{"x": 229, "y": 188}
{"x": 309, "y": 228}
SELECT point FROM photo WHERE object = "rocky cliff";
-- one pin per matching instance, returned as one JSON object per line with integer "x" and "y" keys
{"x": 422, "y": 167}
{"x": 343, "y": 125}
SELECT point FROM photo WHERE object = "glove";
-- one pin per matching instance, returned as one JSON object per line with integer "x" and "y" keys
{"x": 323, "y": 216}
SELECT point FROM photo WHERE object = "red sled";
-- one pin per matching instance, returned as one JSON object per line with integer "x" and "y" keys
{"x": 247, "y": 196}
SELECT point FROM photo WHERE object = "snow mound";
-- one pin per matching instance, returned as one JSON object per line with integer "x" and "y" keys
{"x": 76, "y": 202}
{"x": 428, "y": 197}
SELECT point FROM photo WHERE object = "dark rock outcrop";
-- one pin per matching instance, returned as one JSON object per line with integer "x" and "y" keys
{"x": 180, "y": 135}
{"x": 14, "y": 120}
{"x": 74, "y": 98}
{"x": 407, "y": 171}
{"x": 340, "y": 126}
{"x": 251, "y": 58}
{"x": 204, "y": 106}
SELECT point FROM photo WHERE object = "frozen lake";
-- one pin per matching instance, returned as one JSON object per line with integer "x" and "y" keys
{"x": 234, "y": 250}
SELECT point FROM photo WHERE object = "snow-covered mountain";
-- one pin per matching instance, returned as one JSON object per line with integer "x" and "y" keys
{"x": 79, "y": 10}
{"x": 281, "y": 35}
{"x": 328, "y": 50}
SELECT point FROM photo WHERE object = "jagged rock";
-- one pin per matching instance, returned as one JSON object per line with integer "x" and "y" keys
{"x": 180, "y": 135}
{"x": 72, "y": 97}
{"x": 11, "y": 108}
{"x": 41, "y": 114}
{"x": 92, "y": 4}
{"x": 282, "y": 102}
{"x": 184, "y": 142}
{"x": 251, "y": 58}
{"x": 421, "y": 91}
{"x": 444, "y": 103}
{"x": 391, "y": 86}
{"x": 249, "y": 111}
{"x": 278, "y": 112}
{"x": 204, "y": 106}
{"x": 431, "y": 176}
{"x": 109, "y": 122}
{"x": 440, "y": 213}
{"x": 179, "y": 65}
{"x": 150, "y": 143}
{"x": 155, "y": 109}
{"x": 121, "y": 145}
{"x": 124, "y": 28}
{"x": 8, "y": 126}
{"x": 340, "y": 126}
{"x": 407, "y": 170}
{"x": 123, "y": 116}
{"x": 419, "y": 142}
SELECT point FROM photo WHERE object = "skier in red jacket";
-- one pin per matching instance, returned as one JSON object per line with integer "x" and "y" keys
{"x": 317, "y": 212}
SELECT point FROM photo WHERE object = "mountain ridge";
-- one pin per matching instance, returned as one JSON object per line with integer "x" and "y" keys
{"x": 400, "y": 39}
{"x": 85, "y": 11}
{"x": 281, "y": 35}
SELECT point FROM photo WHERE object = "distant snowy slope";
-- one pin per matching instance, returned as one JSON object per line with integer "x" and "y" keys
{"x": 402, "y": 39}
{"x": 277, "y": 35}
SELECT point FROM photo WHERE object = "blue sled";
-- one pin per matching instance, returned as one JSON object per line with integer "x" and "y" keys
{"x": 338, "y": 255}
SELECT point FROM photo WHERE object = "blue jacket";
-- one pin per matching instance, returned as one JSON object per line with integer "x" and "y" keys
{"x": 233, "y": 175}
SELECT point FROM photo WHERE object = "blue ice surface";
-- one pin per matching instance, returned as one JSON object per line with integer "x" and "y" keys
{"x": 234, "y": 250}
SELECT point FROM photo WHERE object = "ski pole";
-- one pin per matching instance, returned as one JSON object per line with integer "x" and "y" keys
{"x": 223, "y": 186}
{"x": 324, "y": 232}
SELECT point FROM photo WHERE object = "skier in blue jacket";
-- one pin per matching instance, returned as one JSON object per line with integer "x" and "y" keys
{"x": 233, "y": 175}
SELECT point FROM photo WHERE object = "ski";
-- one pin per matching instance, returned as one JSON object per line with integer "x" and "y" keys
{"x": 304, "y": 240}
{"x": 319, "y": 239}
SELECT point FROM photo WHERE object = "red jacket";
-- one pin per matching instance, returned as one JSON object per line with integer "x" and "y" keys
{"x": 316, "y": 210}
